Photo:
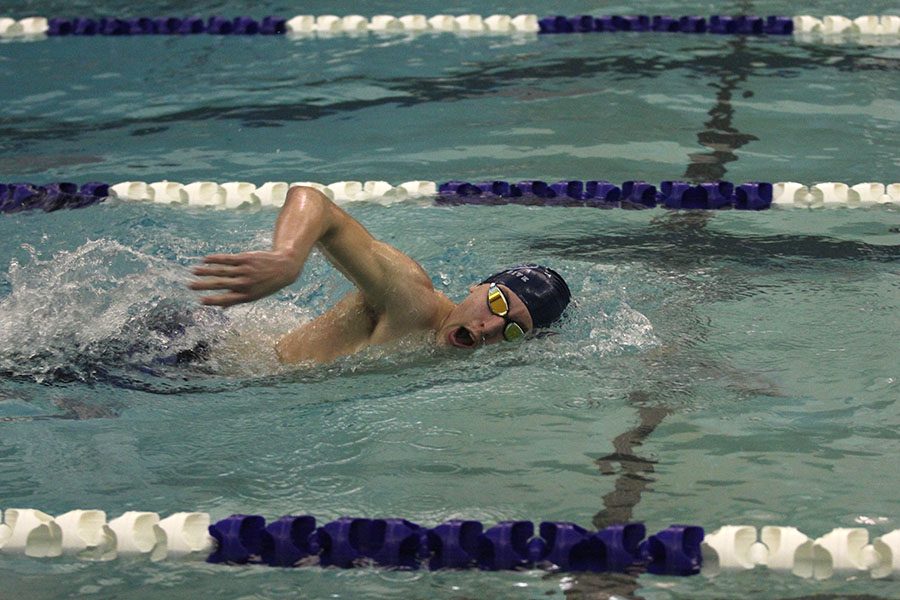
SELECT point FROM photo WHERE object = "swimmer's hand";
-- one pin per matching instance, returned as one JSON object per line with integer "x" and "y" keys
{"x": 246, "y": 276}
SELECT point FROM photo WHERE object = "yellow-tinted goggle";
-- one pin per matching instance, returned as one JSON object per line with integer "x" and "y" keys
{"x": 499, "y": 305}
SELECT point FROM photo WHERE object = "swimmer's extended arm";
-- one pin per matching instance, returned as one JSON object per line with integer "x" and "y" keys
{"x": 309, "y": 218}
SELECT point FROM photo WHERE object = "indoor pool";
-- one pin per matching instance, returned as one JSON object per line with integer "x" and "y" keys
{"x": 716, "y": 367}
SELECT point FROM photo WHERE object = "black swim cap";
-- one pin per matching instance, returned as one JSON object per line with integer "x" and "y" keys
{"x": 543, "y": 291}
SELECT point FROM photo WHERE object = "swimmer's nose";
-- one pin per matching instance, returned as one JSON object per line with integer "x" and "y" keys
{"x": 492, "y": 329}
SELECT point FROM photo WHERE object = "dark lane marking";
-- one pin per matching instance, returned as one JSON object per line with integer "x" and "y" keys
{"x": 487, "y": 78}
{"x": 720, "y": 135}
{"x": 634, "y": 474}
{"x": 634, "y": 471}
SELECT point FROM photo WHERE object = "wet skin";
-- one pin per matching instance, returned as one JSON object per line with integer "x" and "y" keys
{"x": 394, "y": 296}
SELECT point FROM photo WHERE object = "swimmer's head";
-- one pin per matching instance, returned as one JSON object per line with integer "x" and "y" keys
{"x": 543, "y": 291}
{"x": 506, "y": 306}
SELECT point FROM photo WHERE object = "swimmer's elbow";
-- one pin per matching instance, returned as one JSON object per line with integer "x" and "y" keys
{"x": 298, "y": 193}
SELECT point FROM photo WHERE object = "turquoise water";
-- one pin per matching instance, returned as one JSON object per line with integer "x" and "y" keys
{"x": 718, "y": 368}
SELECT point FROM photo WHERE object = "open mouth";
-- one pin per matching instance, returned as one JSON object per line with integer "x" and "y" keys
{"x": 462, "y": 338}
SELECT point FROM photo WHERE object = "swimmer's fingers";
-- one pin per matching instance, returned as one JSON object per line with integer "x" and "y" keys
{"x": 220, "y": 283}
{"x": 225, "y": 300}
{"x": 227, "y": 259}
{"x": 243, "y": 277}
{"x": 217, "y": 271}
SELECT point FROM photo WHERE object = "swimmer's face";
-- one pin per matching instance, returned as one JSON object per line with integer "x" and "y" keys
{"x": 472, "y": 323}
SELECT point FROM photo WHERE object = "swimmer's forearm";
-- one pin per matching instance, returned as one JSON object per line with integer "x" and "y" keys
{"x": 308, "y": 217}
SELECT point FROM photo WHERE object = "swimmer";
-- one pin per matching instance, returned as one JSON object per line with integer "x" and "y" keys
{"x": 394, "y": 297}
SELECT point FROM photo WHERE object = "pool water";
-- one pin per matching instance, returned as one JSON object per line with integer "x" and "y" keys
{"x": 716, "y": 368}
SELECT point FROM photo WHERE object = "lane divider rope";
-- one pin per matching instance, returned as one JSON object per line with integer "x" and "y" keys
{"x": 883, "y": 26}
{"x": 718, "y": 195}
{"x": 296, "y": 540}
